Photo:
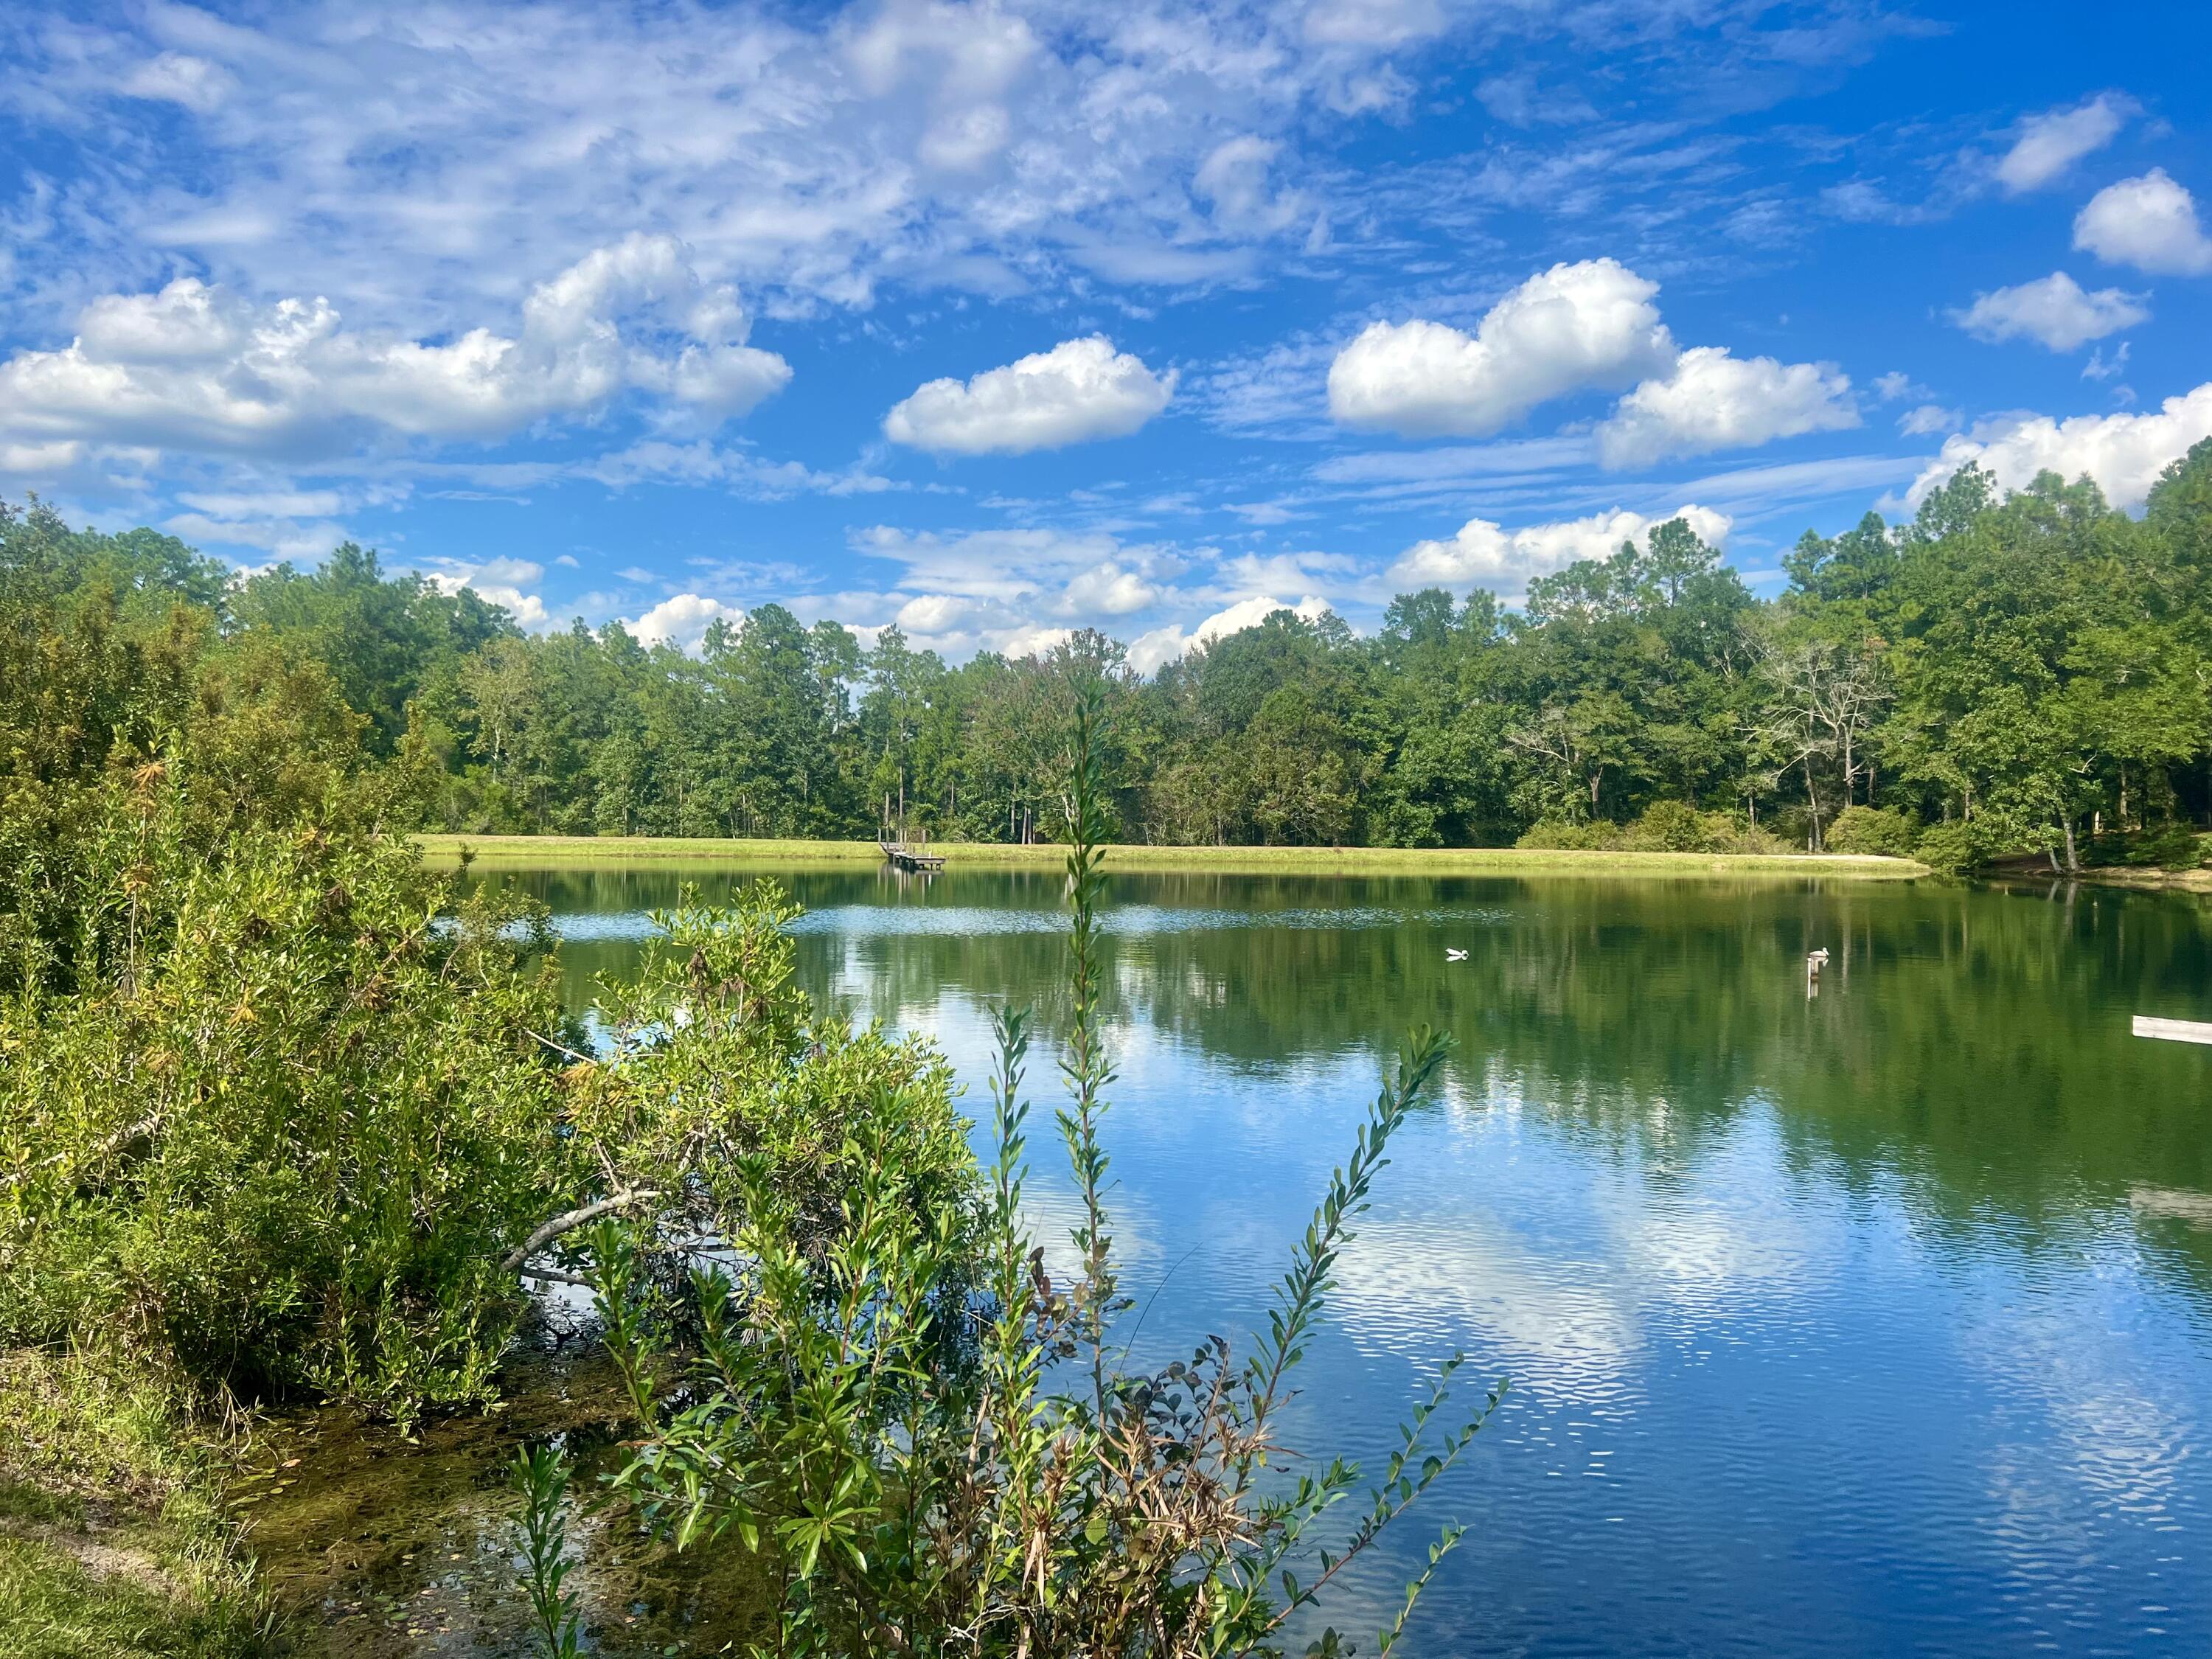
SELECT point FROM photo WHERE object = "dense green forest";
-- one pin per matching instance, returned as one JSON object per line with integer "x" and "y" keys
{"x": 2023, "y": 674}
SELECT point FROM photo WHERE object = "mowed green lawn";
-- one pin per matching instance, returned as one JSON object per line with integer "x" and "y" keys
{"x": 576, "y": 851}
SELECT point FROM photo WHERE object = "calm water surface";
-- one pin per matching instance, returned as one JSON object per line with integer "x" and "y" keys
{"x": 1879, "y": 1321}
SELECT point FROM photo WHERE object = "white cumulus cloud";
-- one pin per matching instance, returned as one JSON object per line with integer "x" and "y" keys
{"x": 933, "y": 615}
{"x": 1591, "y": 324}
{"x": 1712, "y": 400}
{"x": 1029, "y": 639}
{"x": 1080, "y": 390}
{"x": 956, "y": 592}
{"x": 1149, "y": 652}
{"x": 2124, "y": 454}
{"x": 682, "y": 620}
{"x": 2053, "y": 142}
{"x": 195, "y": 368}
{"x": 1108, "y": 590}
{"x": 1484, "y": 554}
{"x": 503, "y": 581}
{"x": 2054, "y": 311}
{"x": 1250, "y": 613}
{"x": 2149, "y": 223}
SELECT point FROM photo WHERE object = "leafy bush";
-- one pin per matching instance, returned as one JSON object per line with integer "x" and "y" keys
{"x": 2170, "y": 846}
{"x": 1873, "y": 829}
{"x": 1557, "y": 834}
{"x": 720, "y": 1068}
{"x": 294, "y": 1114}
{"x": 935, "y": 1468}
{"x": 1792, "y": 825}
{"x": 1734, "y": 835}
{"x": 1669, "y": 826}
{"x": 1952, "y": 848}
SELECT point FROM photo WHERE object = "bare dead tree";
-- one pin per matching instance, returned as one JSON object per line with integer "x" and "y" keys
{"x": 1825, "y": 696}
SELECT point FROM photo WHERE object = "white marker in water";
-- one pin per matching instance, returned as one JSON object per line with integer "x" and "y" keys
{"x": 2173, "y": 1031}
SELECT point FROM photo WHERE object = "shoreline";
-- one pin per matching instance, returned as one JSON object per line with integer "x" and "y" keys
{"x": 586, "y": 852}
{"x": 2139, "y": 879}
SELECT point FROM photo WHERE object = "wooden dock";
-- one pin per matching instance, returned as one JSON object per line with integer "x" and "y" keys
{"x": 912, "y": 854}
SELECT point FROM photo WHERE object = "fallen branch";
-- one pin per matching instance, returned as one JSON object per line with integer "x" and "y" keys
{"x": 561, "y": 1048}
{"x": 583, "y": 1215}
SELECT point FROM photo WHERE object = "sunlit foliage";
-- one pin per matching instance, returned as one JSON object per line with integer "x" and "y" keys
{"x": 936, "y": 1447}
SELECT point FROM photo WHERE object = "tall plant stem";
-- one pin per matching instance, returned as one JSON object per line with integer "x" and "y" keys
{"x": 1086, "y": 1069}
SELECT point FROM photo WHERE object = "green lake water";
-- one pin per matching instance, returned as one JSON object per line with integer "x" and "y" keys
{"x": 1876, "y": 1319}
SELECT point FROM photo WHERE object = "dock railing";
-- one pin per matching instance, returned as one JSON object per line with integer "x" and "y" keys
{"x": 908, "y": 849}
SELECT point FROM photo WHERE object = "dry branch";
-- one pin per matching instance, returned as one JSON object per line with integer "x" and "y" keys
{"x": 582, "y": 1215}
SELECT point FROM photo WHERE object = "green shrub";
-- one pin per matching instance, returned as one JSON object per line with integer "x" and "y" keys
{"x": 1674, "y": 826}
{"x": 1667, "y": 826}
{"x": 1872, "y": 830}
{"x": 718, "y": 1063}
{"x": 936, "y": 1446}
{"x": 2170, "y": 846}
{"x": 1791, "y": 825}
{"x": 1951, "y": 848}
{"x": 1742, "y": 837}
{"x": 1557, "y": 834}
{"x": 294, "y": 1114}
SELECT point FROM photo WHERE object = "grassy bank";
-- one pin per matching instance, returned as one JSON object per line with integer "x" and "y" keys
{"x": 577, "y": 851}
{"x": 113, "y": 1543}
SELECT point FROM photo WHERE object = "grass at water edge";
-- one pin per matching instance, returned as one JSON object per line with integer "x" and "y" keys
{"x": 113, "y": 1539}
{"x": 584, "y": 852}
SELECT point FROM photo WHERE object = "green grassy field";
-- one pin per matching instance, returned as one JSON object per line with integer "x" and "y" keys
{"x": 576, "y": 851}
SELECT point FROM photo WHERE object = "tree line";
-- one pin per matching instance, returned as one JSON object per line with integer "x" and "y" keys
{"x": 2000, "y": 674}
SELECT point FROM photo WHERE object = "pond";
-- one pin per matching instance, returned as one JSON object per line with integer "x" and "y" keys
{"x": 1868, "y": 1316}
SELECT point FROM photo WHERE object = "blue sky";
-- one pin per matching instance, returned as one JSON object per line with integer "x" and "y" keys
{"x": 997, "y": 320}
